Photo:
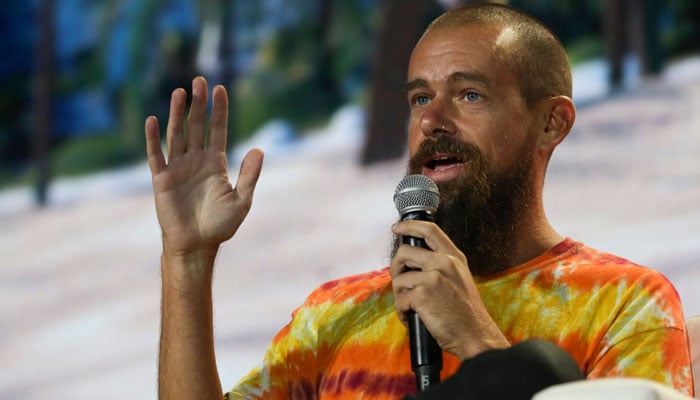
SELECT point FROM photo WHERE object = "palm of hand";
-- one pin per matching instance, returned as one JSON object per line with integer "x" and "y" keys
{"x": 198, "y": 208}
{"x": 195, "y": 201}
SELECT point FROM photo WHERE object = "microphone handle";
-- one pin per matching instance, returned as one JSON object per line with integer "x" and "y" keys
{"x": 426, "y": 355}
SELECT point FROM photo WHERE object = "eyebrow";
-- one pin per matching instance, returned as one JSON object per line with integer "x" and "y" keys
{"x": 459, "y": 76}
{"x": 416, "y": 84}
{"x": 468, "y": 76}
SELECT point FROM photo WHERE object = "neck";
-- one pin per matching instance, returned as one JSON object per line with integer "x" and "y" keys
{"x": 534, "y": 234}
{"x": 534, "y": 242}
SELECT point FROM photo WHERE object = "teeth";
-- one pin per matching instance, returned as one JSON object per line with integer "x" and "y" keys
{"x": 439, "y": 160}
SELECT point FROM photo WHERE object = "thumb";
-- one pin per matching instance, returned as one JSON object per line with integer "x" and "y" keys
{"x": 249, "y": 173}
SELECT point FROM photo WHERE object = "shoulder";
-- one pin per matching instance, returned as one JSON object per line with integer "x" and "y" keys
{"x": 572, "y": 263}
{"x": 354, "y": 288}
{"x": 625, "y": 284}
{"x": 338, "y": 307}
{"x": 598, "y": 267}
{"x": 335, "y": 300}
{"x": 574, "y": 270}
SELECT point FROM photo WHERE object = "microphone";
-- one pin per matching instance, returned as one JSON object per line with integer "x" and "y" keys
{"x": 417, "y": 198}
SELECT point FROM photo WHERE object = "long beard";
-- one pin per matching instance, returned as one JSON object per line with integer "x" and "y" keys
{"x": 481, "y": 210}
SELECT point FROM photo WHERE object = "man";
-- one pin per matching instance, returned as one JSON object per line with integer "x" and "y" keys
{"x": 490, "y": 95}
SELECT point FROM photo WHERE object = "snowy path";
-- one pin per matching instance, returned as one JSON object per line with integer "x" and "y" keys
{"x": 79, "y": 281}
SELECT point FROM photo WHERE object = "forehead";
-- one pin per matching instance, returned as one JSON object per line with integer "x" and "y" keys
{"x": 474, "y": 49}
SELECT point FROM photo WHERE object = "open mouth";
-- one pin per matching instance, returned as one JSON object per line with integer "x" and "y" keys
{"x": 443, "y": 161}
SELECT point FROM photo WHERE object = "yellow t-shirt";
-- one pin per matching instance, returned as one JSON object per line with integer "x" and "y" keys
{"x": 615, "y": 318}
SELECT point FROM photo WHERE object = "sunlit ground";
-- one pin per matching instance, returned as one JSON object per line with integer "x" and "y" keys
{"x": 80, "y": 280}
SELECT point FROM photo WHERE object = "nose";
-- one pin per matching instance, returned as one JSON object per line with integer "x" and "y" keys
{"x": 435, "y": 122}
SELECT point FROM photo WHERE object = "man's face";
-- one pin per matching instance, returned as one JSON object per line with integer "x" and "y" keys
{"x": 470, "y": 131}
{"x": 459, "y": 86}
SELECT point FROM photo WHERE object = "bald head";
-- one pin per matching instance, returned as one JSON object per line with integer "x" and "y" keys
{"x": 526, "y": 46}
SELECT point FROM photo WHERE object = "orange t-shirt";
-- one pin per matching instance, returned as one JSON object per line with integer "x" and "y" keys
{"x": 615, "y": 318}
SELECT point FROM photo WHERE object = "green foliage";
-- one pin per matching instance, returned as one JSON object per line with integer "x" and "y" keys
{"x": 681, "y": 35}
{"x": 569, "y": 19}
{"x": 93, "y": 153}
{"x": 352, "y": 40}
{"x": 585, "y": 48}
{"x": 302, "y": 104}
{"x": 14, "y": 176}
{"x": 75, "y": 157}
{"x": 303, "y": 74}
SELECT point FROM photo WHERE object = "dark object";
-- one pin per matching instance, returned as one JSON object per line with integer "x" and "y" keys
{"x": 417, "y": 198}
{"x": 516, "y": 373}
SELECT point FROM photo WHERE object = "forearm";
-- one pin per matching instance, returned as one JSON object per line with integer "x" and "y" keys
{"x": 198, "y": 209}
{"x": 187, "y": 363}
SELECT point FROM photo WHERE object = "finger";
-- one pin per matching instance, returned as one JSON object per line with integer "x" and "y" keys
{"x": 218, "y": 125}
{"x": 434, "y": 237}
{"x": 249, "y": 174}
{"x": 156, "y": 160}
{"x": 409, "y": 258}
{"x": 175, "y": 135}
{"x": 196, "y": 122}
{"x": 410, "y": 294}
{"x": 420, "y": 264}
{"x": 400, "y": 286}
{"x": 405, "y": 281}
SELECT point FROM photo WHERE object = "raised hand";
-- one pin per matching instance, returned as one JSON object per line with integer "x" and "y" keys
{"x": 198, "y": 208}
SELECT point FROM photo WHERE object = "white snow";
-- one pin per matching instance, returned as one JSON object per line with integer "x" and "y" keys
{"x": 79, "y": 280}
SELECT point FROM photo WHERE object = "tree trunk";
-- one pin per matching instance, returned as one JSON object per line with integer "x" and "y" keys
{"x": 229, "y": 69}
{"x": 324, "y": 57}
{"x": 614, "y": 26}
{"x": 43, "y": 94}
{"x": 135, "y": 90}
{"x": 402, "y": 24}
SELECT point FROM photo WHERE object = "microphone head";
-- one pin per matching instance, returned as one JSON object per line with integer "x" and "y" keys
{"x": 416, "y": 193}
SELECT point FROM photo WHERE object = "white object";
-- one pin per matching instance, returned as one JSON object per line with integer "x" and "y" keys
{"x": 693, "y": 327}
{"x": 610, "y": 389}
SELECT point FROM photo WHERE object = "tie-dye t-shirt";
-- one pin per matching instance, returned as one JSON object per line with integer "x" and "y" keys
{"x": 615, "y": 318}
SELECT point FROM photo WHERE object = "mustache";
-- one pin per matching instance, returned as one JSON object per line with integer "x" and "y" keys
{"x": 443, "y": 144}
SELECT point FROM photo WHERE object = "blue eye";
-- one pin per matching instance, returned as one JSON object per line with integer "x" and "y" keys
{"x": 421, "y": 100}
{"x": 472, "y": 96}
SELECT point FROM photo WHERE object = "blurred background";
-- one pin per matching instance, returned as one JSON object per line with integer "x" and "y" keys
{"x": 318, "y": 85}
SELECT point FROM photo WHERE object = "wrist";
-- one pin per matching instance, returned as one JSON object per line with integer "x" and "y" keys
{"x": 496, "y": 342}
{"x": 189, "y": 270}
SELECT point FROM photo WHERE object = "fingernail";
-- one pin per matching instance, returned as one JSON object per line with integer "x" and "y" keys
{"x": 197, "y": 82}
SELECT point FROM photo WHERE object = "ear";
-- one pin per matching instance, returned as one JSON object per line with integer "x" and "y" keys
{"x": 560, "y": 114}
